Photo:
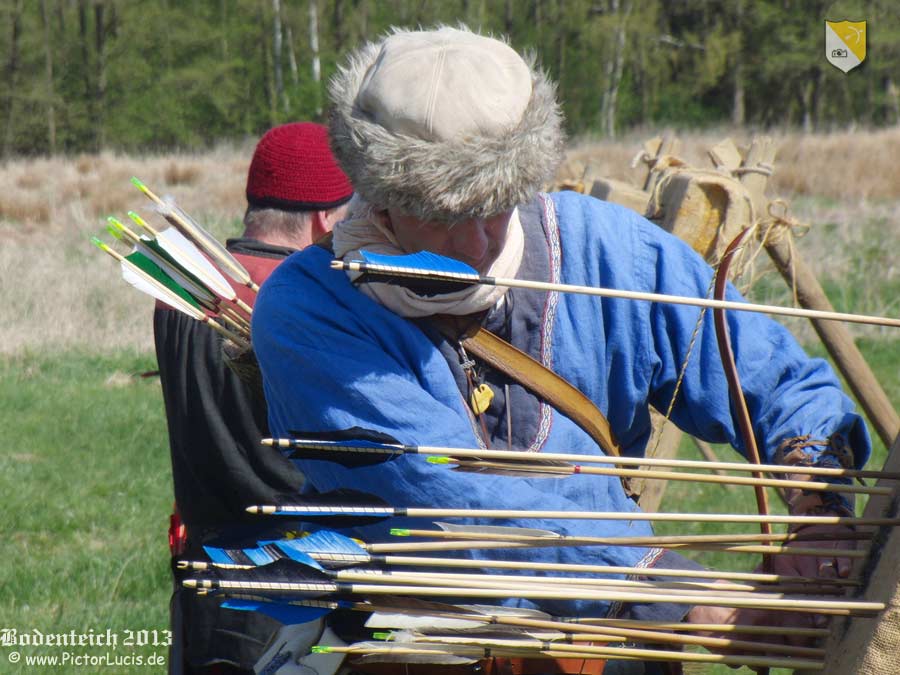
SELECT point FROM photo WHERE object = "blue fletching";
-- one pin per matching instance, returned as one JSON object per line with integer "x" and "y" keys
{"x": 240, "y": 556}
{"x": 219, "y": 555}
{"x": 325, "y": 541}
{"x": 292, "y": 552}
{"x": 283, "y": 613}
{"x": 423, "y": 260}
{"x": 259, "y": 556}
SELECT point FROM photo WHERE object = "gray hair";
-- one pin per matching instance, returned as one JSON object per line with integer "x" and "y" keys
{"x": 261, "y": 220}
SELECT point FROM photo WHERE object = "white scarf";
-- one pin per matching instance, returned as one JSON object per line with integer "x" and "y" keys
{"x": 363, "y": 232}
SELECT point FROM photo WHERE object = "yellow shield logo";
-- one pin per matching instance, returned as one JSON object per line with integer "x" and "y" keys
{"x": 845, "y": 44}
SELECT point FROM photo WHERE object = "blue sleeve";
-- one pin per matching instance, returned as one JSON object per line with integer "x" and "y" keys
{"x": 788, "y": 393}
{"x": 333, "y": 359}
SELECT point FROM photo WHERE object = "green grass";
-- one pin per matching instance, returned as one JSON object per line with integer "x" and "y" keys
{"x": 85, "y": 479}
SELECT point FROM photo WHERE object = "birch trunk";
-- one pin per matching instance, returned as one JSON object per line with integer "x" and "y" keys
{"x": 276, "y": 54}
{"x": 314, "y": 48}
{"x": 614, "y": 67}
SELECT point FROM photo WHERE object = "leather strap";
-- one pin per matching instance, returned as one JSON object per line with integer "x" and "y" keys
{"x": 534, "y": 376}
{"x": 531, "y": 374}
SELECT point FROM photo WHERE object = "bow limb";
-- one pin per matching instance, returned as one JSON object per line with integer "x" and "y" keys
{"x": 734, "y": 383}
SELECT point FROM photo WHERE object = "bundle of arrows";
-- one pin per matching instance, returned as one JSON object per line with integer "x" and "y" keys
{"x": 302, "y": 579}
{"x": 181, "y": 266}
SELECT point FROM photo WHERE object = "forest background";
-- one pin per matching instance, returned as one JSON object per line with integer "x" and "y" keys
{"x": 88, "y": 75}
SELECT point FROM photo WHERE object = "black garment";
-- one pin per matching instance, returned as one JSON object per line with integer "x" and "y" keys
{"x": 219, "y": 467}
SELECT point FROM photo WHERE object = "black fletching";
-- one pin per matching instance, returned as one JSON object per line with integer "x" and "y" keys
{"x": 365, "y": 456}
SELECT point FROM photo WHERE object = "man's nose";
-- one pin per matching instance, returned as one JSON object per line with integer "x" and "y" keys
{"x": 470, "y": 238}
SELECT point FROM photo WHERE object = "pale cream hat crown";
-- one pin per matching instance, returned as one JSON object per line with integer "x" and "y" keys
{"x": 444, "y": 124}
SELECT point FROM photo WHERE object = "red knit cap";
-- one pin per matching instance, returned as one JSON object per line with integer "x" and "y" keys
{"x": 293, "y": 170}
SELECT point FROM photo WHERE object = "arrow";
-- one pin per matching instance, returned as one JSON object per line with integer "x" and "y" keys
{"x": 703, "y": 542}
{"x": 284, "y": 578}
{"x": 642, "y": 636}
{"x": 147, "y": 277}
{"x": 451, "y": 531}
{"x": 331, "y": 548}
{"x": 427, "y": 265}
{"x": 376, "y": 511}
{"x": 270, "y": 552}
{"x": 509, "y": 467}
{"x": 347, "y": 450}
{"x": 404, "y": 612}
{"x": 191, "y": 229}
{"x": 515, "y": 648}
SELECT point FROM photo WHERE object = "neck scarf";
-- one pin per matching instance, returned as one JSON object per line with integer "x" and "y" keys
{"x": 361, "y": 231}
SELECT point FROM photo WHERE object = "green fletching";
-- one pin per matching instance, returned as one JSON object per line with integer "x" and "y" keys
{"x": 114, "y": 232}
{"x": 438, "y": 460}
{"x": 320, "y": 649}
{"x": 138, "y": 184}
{"x": 144, "y": 263}
{"x": 381, "y": 636}
{"x": 162, "y": 253}
{"x": 99, "y": 244}
{"x": 399, "y": 532}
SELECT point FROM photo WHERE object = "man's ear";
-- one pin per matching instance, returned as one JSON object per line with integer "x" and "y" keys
{"x": 320, "y": 225}
{"x": 383, "y": 218}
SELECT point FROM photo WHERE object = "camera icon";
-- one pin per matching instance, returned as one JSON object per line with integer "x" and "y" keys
{"x": 839, "y": 53}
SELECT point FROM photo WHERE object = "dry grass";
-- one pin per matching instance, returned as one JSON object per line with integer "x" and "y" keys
{"x": 62, "y": 292}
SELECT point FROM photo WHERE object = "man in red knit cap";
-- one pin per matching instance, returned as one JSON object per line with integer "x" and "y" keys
{"x": 295, "y": 193}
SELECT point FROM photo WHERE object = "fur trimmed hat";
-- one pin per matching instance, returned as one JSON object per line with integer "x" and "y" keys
{"x": 445, "y": 124}
{"x": 293, "y": 170}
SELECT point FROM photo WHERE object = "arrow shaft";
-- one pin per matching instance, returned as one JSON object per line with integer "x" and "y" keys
{"x": 679, "y": 476}
{"x": 508, "y": 455}
{"x": 390, "y": 270}
{"x": 793, "y": 604}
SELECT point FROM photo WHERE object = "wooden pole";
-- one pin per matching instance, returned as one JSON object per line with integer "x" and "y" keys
{"x": 835, "y": 336}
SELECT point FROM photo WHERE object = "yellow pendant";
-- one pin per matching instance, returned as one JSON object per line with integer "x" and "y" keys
{"x": 481, "y": 398}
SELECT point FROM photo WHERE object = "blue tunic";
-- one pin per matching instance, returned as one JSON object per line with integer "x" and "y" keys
{"x": 334, "y": 359}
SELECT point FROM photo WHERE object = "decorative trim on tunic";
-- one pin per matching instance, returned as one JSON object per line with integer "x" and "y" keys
{"x": 551, "y": 228}
{"x": 649, "y": 560}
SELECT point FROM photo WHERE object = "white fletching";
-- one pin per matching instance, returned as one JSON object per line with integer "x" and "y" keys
{"x": 399, "y": 620}
{"x": 189, "y": 256}
{"x": 488, "y": 530}
{"x": 185, "y": 282}
{"x": 204, "y": 240}
{"x": 150, "y": 286}
{"x": 498, "y": 610}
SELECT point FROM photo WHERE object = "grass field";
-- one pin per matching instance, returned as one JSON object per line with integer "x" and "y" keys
{"x": 84, "y": 469}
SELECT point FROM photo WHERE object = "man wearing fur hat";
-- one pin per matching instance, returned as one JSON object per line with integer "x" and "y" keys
{"x": 448, "y": 136}
{"x": 295, "y": 194}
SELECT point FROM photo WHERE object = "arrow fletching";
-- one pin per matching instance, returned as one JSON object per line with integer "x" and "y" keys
{"x": 352, "y": 447}
{"x": 152, "y": 250}
{"x": 327, "y": 547}
{"x": 285, "y": 613}
{"x": 191, "y": 229}
{"x": 182, "y": 252}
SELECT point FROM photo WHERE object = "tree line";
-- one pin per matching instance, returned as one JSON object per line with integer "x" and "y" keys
{"x": 85, "y": 75}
